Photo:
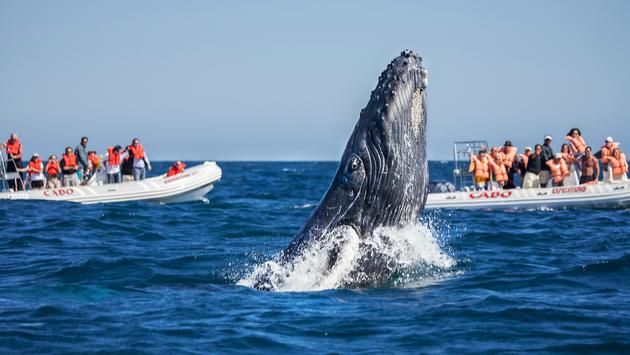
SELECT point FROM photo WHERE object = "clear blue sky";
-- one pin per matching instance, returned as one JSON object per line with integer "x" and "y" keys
{"x": 237, "y": 80}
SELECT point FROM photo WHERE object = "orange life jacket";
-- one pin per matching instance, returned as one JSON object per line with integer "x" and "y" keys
{"x": 176, "y": 169}
{"x": 481, "y": 168}
{"x": 508, "y": 156}
{"x": 500, "y": 174}
{"x": 558, "y": 170}
{"x": 93, "y": 158}
{"x": 70, "y": 161}
{"x": 619, "y": 166}
{"x": 137, "y": 152}
{"x": 35, "y": 167}
{"x": 606, "y": 151}
{"x": 578, "y": 144}
{"x": 52, "y": 168}
{"x": 13, "y": 148}
{"x": 113, "y": 157}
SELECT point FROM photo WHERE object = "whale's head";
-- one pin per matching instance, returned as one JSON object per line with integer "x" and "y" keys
{"x": 382, "y": 179}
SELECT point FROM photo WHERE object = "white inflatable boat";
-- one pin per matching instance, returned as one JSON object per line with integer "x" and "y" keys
{"x": 605, "y": 194}
{"x": 609, "y": 195}
{"x": 191, "y": 185}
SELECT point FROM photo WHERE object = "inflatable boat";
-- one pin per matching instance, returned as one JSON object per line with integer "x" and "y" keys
{"x": 191, "y": 185}
{"x": 609, "y": 195}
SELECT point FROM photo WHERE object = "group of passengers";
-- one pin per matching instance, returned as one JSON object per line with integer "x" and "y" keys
{"x": 77, "y": 166}
{"x": 574, "y": 164}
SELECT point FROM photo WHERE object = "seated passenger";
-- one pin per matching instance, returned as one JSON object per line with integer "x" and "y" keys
{"x": 69, "y": 166}
{"x": 590, "y": 167}
{"x": 112, "y": 162}
{"x": 479, "y": 166}
{"x": 618, "y": 163}
{"x": 534, "y": 167}
{"x": 35, "y": 171}
{"x": 558, "y": 169}
{"x": 94, "y": 164}
{"x": 54, "y": 171}
{"x": 578, "y": 145}
{"x": 177, "y": 168}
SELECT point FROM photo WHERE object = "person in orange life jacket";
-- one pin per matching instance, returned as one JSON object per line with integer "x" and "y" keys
{"x": 618, "y": 163}
{"x": 14, "y": 164}
{"x": 177, "y": 168}
{"x": 578, "y": 145}
{"x": 521, "y": 167}
{"x": 558, "y": 169}
{"x": 498, "y": 169}
{"x": 112, "y": 163}
{"x": 509, "y": 152}
{"x": 140, "y": 160}
{"x": 605, "y": 151}
{"x": 479, "y": 166}
{"x": 69, "y": 167}
{"x": 94, "y": 164}
{"x": 53, "y": 170}
{"x": 534, "y": 167}
{"x": 35, "y": 170}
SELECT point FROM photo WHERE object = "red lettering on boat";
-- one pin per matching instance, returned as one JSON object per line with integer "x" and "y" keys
{"x": 491, "y": 195}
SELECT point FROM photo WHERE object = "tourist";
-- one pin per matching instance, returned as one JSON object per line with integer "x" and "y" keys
{"x": 126, "y": 167}
{"x": 521, "y": 168}
{"x": 590, "y": 167}
{"x": 141, "y": 161}
{"x": 81, "y": 153}
{"x": 70, "y": 167}
{"x": 14, "y": 164}
{"x": 605, "y": 151}
{"x": 35, "y": 171}
{"x": 618, "y": 164}
{"x": 479, "y": 166}
{"x": 177, "y": 168}
{"x": 547, "y": 154}
{"x": 534, "y": 167}
{"x": 578, "y": 145}
{"x": 53, "y": 170}
{"x": 558, "y": 169}
{"x": 112, "y": 162}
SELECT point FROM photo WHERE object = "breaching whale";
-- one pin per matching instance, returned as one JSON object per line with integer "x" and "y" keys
{"x": 382, "y": 178}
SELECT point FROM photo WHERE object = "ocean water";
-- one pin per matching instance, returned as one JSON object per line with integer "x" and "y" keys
{"x": 148, "y": 278}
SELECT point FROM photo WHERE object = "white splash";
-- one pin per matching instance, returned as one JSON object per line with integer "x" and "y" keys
{"x": 408, "y": 248}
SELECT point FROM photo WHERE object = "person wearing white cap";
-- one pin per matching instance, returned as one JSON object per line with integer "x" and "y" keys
{"x": 546, "y": 155}
{"x": 559, "y": 170}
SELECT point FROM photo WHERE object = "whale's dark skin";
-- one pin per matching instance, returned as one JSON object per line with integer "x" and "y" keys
{"x": 382, "y": 179}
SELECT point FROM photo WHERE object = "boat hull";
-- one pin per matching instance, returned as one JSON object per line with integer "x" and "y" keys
{"x": 190, "y": 185}
{"x": 600, "y": 196}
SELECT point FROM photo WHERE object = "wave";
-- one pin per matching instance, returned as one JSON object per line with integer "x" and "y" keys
{"x": 404, "y": 255}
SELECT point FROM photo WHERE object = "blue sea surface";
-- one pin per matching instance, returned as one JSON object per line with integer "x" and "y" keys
{"x": 149, "y": 278}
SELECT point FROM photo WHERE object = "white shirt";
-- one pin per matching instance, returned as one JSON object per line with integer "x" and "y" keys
{"x": 114, "y": 169}
{"x": 38, "y": 176}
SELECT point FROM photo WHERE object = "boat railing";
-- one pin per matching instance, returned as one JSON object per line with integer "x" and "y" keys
{"x": 6, "y": 176}
{"x": 461, "y": 156}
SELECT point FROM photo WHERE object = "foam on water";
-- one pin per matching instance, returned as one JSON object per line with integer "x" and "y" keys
{"x": 413, "y": 252}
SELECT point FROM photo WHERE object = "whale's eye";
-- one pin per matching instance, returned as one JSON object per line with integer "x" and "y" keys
{"x": 355, "y": 163}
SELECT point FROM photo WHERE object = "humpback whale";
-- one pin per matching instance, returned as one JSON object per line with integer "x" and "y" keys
{"x": 381, "y": 181}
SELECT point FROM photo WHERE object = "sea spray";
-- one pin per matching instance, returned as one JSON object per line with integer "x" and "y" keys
{"x": 412, "y": 252}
